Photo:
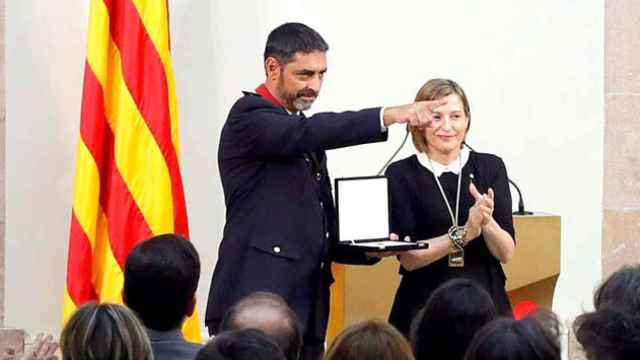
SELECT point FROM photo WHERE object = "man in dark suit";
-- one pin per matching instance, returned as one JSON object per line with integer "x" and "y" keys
{"x": 280, "y": 233}
{"x": 160, "y": 281}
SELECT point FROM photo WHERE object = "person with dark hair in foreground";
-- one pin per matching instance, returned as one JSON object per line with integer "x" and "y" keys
{"x": 620, "y": 290}
{"x": 270, "y": 314}
{"x": 612, "y": 331}
{"x": 369, "y": 340}
{"x": 536, "y": 337}
{"x": 104, "y": 332}
{"x": 244, "y": 344}
{"x": 281, "y": 233}
{"x": 453, "y": 314}
{"x": 160, "y": 280}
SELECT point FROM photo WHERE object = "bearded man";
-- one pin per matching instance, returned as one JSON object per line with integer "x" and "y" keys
{"x": 280, "y": 231}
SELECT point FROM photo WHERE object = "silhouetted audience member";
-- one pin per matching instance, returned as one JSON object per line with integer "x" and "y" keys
{"x": 536, "y": 337}
{"x": 270, "y": 314}
{"x": 612, "y": 331}
{"x": 452, "y": 315}
{"x": 160, "y": 280}
{"x": 370, "y": 340}
{"x": 244, "y": 344}
{"x": 104, "y": 332}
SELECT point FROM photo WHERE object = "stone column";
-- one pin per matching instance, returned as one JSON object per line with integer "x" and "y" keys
{"x": 621, "y": 217}
{"x": 621, "y": 202}
{"x": 10, "y": 339}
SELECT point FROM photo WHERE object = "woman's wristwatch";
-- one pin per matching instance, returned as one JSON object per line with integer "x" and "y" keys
{"x": 457, "y": 235}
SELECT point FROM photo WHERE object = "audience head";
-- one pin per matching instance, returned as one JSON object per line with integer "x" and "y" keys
{"x": 452, "y": 315}
{"x": 620, "y": 290}
{"x": 160, "y": 280}
{"x": 457, "y": 110}
{"x": 269, "y": 313}
{"x": 612, "y": 331}
{"x": 245, "y": 344}
{"x": 104, "y": 332}
{"x": 536, "y": 337}
{"x": 369, "y": 340}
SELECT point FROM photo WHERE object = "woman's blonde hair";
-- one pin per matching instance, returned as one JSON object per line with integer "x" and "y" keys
{"x": 104, "y": 332}
{"x": 370, "y": 340}
{"x": 435, "y": 89}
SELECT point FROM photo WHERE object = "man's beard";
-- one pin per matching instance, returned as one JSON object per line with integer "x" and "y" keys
{"x": 295, "y": 100}
{"x": 303, "y": 104}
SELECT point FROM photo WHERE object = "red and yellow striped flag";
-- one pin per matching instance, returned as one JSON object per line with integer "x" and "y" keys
{"x": 127, "y": 183}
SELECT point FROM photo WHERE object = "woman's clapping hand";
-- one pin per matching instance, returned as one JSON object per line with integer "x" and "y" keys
{"x": 480, "y": 213}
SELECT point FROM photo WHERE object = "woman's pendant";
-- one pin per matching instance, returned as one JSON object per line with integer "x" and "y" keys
{"x": 456, "y": 256}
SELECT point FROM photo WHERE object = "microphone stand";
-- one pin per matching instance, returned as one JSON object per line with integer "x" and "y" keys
{"x": 521, "y": 210}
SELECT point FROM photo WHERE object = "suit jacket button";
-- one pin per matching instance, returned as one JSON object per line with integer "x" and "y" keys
{"x": 318, "y": 176}
{"x": 326, "y": 235}
{"x": 276, "y": 249}
{"x": 321, "y": 205}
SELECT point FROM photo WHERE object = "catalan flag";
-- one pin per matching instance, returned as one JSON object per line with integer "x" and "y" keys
{"x": 127, "y": 182}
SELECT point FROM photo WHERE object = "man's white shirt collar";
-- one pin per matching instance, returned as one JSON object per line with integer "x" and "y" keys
{"x": 438, "y": 168}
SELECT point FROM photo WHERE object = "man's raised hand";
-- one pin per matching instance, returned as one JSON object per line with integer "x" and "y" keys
{"x": 418, "y": 114}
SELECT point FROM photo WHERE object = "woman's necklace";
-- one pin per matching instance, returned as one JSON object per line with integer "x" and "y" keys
{"x": 456, "y": 232}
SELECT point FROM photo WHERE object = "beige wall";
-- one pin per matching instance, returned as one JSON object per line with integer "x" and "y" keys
{"x": 621, "y": 218}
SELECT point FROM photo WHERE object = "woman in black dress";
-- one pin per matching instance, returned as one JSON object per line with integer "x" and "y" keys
{"x": 467, "y": 238}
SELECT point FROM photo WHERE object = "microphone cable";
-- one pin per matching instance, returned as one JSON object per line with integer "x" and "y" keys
{"x": 384, "y": 167}
{"x": 467, "y": 145}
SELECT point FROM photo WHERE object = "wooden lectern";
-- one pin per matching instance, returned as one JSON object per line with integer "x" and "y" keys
{"x": 366, "y": 292}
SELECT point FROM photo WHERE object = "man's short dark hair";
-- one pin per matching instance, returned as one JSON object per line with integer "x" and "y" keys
{"x": 245, "y": 344}
{"x": 160, "y": 279}
{"x": 269, "y": 313}
{"x": 290, "y": 38}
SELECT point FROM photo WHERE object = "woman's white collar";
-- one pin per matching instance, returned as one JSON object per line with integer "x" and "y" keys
{"x": 438, "y": 168}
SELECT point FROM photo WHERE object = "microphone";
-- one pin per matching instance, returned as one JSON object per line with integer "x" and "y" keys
{"x": 521, "y": 210}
